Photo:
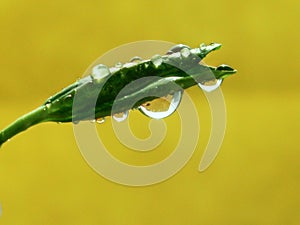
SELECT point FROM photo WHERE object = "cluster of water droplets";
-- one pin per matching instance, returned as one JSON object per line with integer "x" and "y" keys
{"x": 158, "y": 108}
{"x": 185, "y": 52}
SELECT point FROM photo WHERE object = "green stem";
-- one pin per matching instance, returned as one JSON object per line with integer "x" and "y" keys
{"x": 34, "y": 117}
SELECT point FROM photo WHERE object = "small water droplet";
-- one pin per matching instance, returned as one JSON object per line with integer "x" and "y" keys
{"x": 93, "y": 121}
{"x": 202, "y": 47}
{"x": 210, "y": 86}
{"x": 157, "y": 60}
{"x": 46, "y": 107}
{"x": 119, "y": 65}
{"x": 100, "y": 120}
{"x": 119, "y": 117}
{"x": 185, "y": 52}
{"x": 162, "y": 107}
{"x": 100, "y": 71}
{"x": 136, "y": 59}
{"x": 75, "y": 122}
{"x": 177, "y": 48}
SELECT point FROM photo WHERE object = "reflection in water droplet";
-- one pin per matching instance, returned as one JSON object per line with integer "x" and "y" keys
{"x": 100, "y": 71}
{"x": 136, "y": 59}
{"x": 100, "y": 120}
{"x": 119, "y": 117}
{"x": 185, "y": 52}
{"x": 177, "y": 48}
{"x": 157, "y": 60}
{"x": 162, "y": 107}
{"x": 210, "y": 85}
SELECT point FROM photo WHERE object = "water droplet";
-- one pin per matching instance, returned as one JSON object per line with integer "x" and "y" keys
{"x": 46, "y": 107}
{"x": 75, "y": 122}
{"x": 100, "y": 120}
{"x": 119, "y": 117}
{"x": 136, "y": 59}
{"x": 100, "y": 71}
{"x": 185, "y": 52}
{"x": 162, "y": 107}
{"x": 202, "y": 47}
{"x": 93, "y": 121}
{"x": 119, "y": 65}
{"x": 210, "y": 85}
{"x": 177, "y": 48}
{"x": 157, "y": 60}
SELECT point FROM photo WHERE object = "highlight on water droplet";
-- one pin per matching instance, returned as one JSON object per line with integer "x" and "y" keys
{"x": 156, "y": 60}
{"x": 185, "y": 52}
{"x": 119, "y": 117}
{"x": 177, "y": 48}
{"x": 100, "y": 120}
{"x": 100, "y": 71}
{"x": 211, "y": 85}
{"x": 136, "y": 59}
{"x": 162, "y": 107}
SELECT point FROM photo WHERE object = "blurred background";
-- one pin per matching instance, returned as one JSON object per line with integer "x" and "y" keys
{"x": 255, "y": 179}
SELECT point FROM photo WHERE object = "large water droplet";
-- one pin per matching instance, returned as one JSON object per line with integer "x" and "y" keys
{"x": 100, "y": 71}
{"x": 156, "y": 60}
{"x": 119, "y": 117}
{"x": 177, "y": 48}
{"x": 162, "y": 107}
{"x": 100, "y": 120}
{"x": 210, "y": 85}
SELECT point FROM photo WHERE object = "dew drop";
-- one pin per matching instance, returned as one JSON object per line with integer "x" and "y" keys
{"x": 46, "y": 107}
{"x": 185, "y": 52}
{"x": 136, "y": 59}
{"x": 157, "y": 60}
{"x": 202, "y": 47}
{"x": 75, "y": 122}
{"x": 119, "y": 117}
{"x": 177, "y": 48}
{"x": 100, "y": 71}
{"x": 162, "y": 107}
{"x": 119, "y": 65}
{"x": 100, "y": 120}
{"x": 210, "y": 85}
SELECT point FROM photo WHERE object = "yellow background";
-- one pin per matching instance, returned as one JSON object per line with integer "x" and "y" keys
{"x": 46, "y": 45}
